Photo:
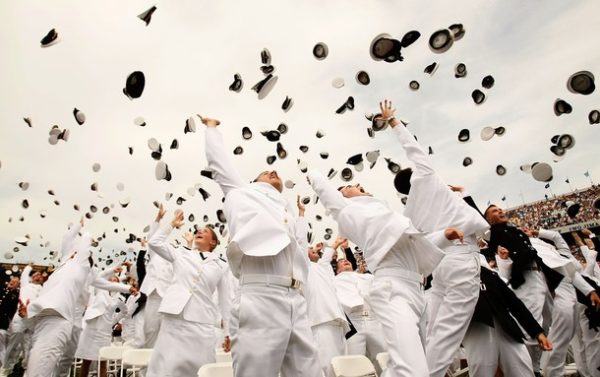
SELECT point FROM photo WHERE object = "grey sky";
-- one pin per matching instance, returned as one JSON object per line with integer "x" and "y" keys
{"x": 189, "y": 54}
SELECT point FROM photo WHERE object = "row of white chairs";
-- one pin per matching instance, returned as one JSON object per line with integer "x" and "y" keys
{"x": 343, "y": 366}
{"x": 118, "y": 357}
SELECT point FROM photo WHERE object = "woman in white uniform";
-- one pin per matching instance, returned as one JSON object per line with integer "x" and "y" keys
{"x": 100, "y": 317}
{"x": 186, "y": 339}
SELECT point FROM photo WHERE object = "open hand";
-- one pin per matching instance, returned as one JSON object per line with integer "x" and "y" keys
{"x": 161, "y": 213}
{"x": 177, "y": 221}
{"x": 208, "y": 122}
{"x": 503, "y": 252}
{"x": 301, "y": 207}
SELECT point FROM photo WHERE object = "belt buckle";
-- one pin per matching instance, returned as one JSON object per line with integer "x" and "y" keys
{"x": 295, "y": 284}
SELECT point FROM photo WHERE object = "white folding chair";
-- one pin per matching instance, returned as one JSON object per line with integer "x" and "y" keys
{"x": 382, "y": 359}
{"x": 76, "y": 365}
{"x": 216, "y": 370}
{"x": 570, "y": 370}
{"x": 112, "y": 355}
{"x": 353, "y": 366}
{"x": 136, "y": 358}
{"x": 223, "y": 357}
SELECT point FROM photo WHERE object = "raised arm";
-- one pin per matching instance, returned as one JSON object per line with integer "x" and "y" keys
{"x": 68, "y": 241}
{"x": 158, "y": 243}
{"x": 554, "y": 236}
{"x": 25, "y": 278}
{"x": 330, "y": 197}
{"x": 413, "y": 149}
{"x": 102, "y": 283}
{"x": 225, "y": 172}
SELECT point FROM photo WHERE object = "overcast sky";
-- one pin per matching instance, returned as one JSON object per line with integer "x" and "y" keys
{"x": 189, "y": 54}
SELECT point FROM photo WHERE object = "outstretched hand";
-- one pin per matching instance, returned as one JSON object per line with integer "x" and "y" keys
{"x": 301, "y": 207}
{"x": 177, "y": 221}
{"x": 161, "y": 213}
{"x": 209, "y": 122}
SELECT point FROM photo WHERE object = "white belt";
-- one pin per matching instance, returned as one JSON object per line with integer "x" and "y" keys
{"x": 360, "y": 313}
{"x": 400, "y": 273}
{"x": 282, "y": 281}
{"x": 461, "y": 249}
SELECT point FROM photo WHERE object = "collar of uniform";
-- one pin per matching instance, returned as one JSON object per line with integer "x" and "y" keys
{"x": 266, "y": 188}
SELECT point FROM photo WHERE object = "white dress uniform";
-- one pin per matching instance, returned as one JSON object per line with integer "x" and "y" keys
{"x": 186, "y": 338}
{"x": 267, "y": 253}
{"x": 159, "y": 274}
{"x": 564, "y": 311}
{"x": 19, "y": 335}
{"x": 100, "y": 317}
{"x": 325, "y": 314}
{"x": 133, "y": 325}
{"x": 55, "y": 310}
{"x": 353, "y": 289}
{"x": 400, "y": 256}
{"x": 432, "y": 206}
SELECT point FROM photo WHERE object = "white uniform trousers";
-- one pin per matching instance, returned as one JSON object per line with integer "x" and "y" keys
{"x": 591, "y": 340}
{"x": 534, "y": 294}
{"x": 17, "y": 347}
{"x": 152, "y": 319}
{"x": 368, "y": 340}
{"x": 66, "y": 360}
{"x": 579, "y": 347}
{"x": 330, "y": 342}
{"x": 450, "y": 306}
{"x": 562, "y": 330}
{"x": 270, "y": 333}
{"x": 489, "y": 347}
{"x": 399, "y": 305}
{"x": 3, "y": 341}
{"x": 182, "y": 347}
{"x": 50, "y": 338}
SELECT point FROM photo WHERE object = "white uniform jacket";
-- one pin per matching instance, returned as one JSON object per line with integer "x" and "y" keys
{"x": 431, "y": 205}
{"x": 63, "y": 290}
{"x": 196, "y": 276}
{"x": 261, "y": 221}
{"x": 352, "y": 288}
{"x": 159, "y": 272}
{"x": 372, "y": 225}
{"x": 322, "y": 301}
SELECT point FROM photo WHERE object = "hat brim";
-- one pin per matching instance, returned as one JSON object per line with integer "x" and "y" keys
{"x": 441, "y": 41}
{"x": 320, "y": 47}
{"x": 372, "y": 47}
{"x": 581, "y": 82}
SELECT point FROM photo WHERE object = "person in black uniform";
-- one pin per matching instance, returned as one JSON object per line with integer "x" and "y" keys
{"x": 530, "y": 278}
{"x": 9, "y": 302}
{"x": 494, "y": 338}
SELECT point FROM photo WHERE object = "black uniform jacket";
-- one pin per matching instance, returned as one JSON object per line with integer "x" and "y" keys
{"x": 497, "y": 301}
{"x": 522, "y": 253}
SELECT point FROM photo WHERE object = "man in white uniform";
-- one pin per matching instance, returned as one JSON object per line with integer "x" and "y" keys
{"x": 327, "y": 319}
{"x": 564, "y": 313}
{"x": 432, "y": 206}
{"x": 54, "y": 311}
{"x": 399, "y": 255}
{"x": 267, "y": 253}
